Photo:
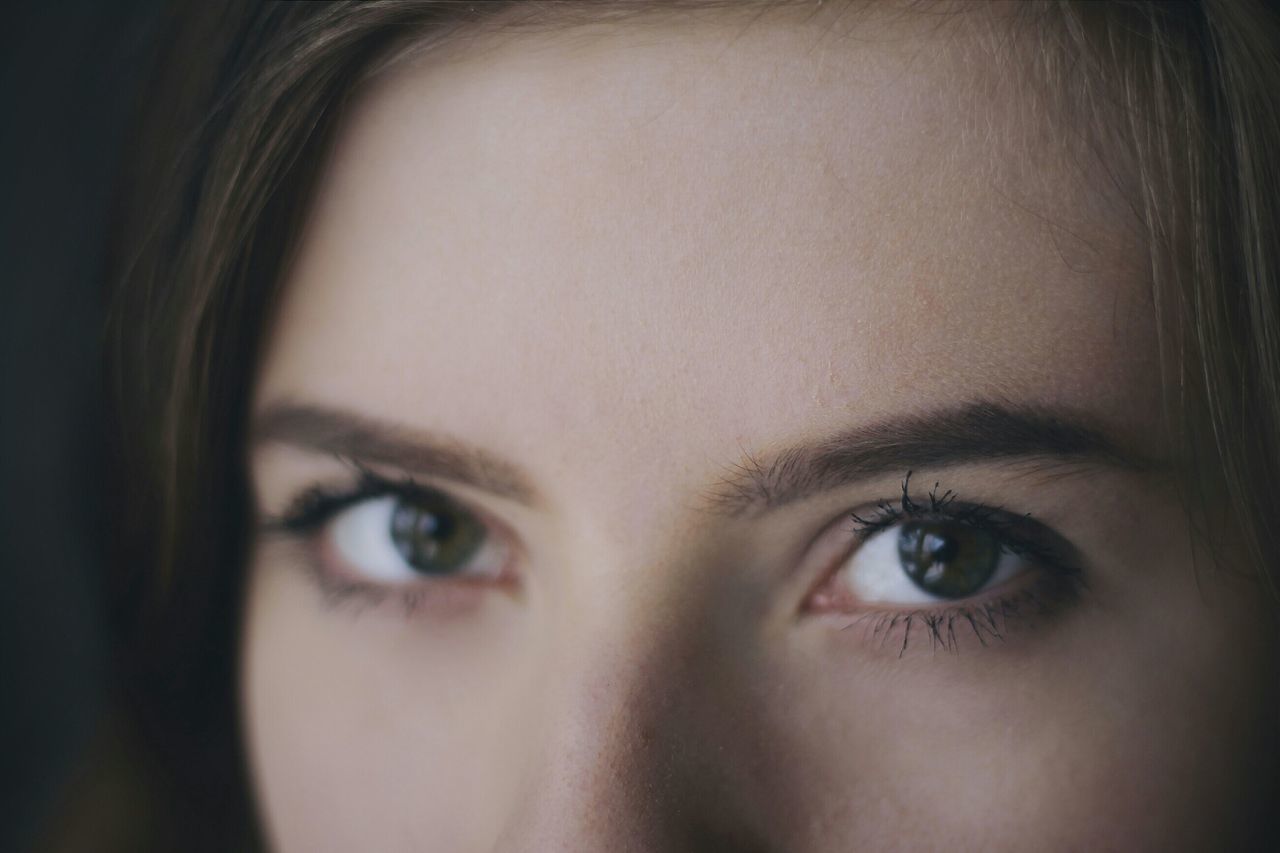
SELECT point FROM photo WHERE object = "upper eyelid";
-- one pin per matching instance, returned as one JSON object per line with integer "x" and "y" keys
{"x": 330, "y": 499}
{"x": 1029, "y": 535}
{"x": 1051, "y": 555}
{"x": 1038, "y": 541}
{"x": 973, "y": 514}
{"x": 372, "y": 485}
{"x": 365, "y": 482}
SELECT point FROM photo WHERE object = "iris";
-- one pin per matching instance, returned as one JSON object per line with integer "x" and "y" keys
{"x": 947, "y": 559}
{"x": 434, "y": 535}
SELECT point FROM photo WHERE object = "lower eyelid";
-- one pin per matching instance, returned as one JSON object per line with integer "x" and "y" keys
{"x": 449, "y": 596}
{"x": 1012, "y": 602}
{"x": 302, "y": 538}
{"x": 340, "y": 590}
{"x": 980, "y": 623}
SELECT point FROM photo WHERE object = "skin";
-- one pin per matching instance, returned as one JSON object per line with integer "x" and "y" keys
{"x": 627, "y": 258}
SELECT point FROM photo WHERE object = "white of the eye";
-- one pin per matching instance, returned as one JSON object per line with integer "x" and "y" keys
{"x": 874, "y": 573}
{"x": 361, "y": 533}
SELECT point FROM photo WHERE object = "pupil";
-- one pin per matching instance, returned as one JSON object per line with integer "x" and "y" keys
{"x": 433, "y": 536}
{"x": 947, "y": 559}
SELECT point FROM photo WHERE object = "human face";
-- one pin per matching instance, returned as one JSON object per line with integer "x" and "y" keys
{"x": 648, "y": 320}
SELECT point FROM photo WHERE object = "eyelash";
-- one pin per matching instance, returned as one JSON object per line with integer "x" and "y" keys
{"x": 1060, "y": 584}
{"x": 313, "y": 507}
{"x": 307, "y": 513}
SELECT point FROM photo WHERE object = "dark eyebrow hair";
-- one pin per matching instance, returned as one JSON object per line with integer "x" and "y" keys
{"x": 349, "y": 436}
{"x": 973, "y": 432}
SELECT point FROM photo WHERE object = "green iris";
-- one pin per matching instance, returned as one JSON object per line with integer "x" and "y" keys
{"x": 434, "y": 535}
{"x": 947, "y": 559}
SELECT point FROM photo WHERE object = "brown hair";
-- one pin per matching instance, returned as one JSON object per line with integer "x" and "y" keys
{"x": 244, "y": 103}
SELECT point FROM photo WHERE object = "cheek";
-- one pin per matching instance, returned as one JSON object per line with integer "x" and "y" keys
{"x": 360, "y": 734}
{"x": 1116, "y": 730}
{"x": 1138, "y": 733}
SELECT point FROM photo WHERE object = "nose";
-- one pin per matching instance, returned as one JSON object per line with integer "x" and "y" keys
{"x": 629, "y": 749}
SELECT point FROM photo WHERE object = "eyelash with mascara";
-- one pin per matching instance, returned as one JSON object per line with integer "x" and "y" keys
{"x": 1058, "y": 583}
{"x": 306, "y": 515}
{"x": 1058, "y": 579}
{"x": 317, "y": 504}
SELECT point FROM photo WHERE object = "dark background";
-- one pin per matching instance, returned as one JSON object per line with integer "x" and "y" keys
{"x": 71, "y": 76}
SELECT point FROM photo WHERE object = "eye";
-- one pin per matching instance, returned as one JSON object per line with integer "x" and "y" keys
{"x": 940, "y": 570}
{"x": 926, "y": 561}
{"x": 398, "y": 539}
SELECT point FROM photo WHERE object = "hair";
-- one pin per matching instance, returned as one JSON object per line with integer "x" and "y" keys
{"x": 244, "y": 103}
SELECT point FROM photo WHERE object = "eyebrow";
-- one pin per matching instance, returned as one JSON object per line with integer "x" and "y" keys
{"x": 969, "y": 433}
{"x": 973, "y": 432}
{"x": 334, "y": 432}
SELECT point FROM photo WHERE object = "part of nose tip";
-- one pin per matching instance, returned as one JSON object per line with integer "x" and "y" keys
{"x": 597, "y": 779}
{"x": 628, "y": 745}
{"x": 627, "y": 767}
{"x": 610, "y": 761}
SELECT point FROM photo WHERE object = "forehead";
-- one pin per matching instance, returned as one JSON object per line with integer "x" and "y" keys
{"x": 597, "y": 248}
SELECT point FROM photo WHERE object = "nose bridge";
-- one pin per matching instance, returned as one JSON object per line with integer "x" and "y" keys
{"x": 618, "y": 682}
{"x": 639, "y": 724}
{"x": 603, "y": 745}
{"x": 631, "y": 757}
